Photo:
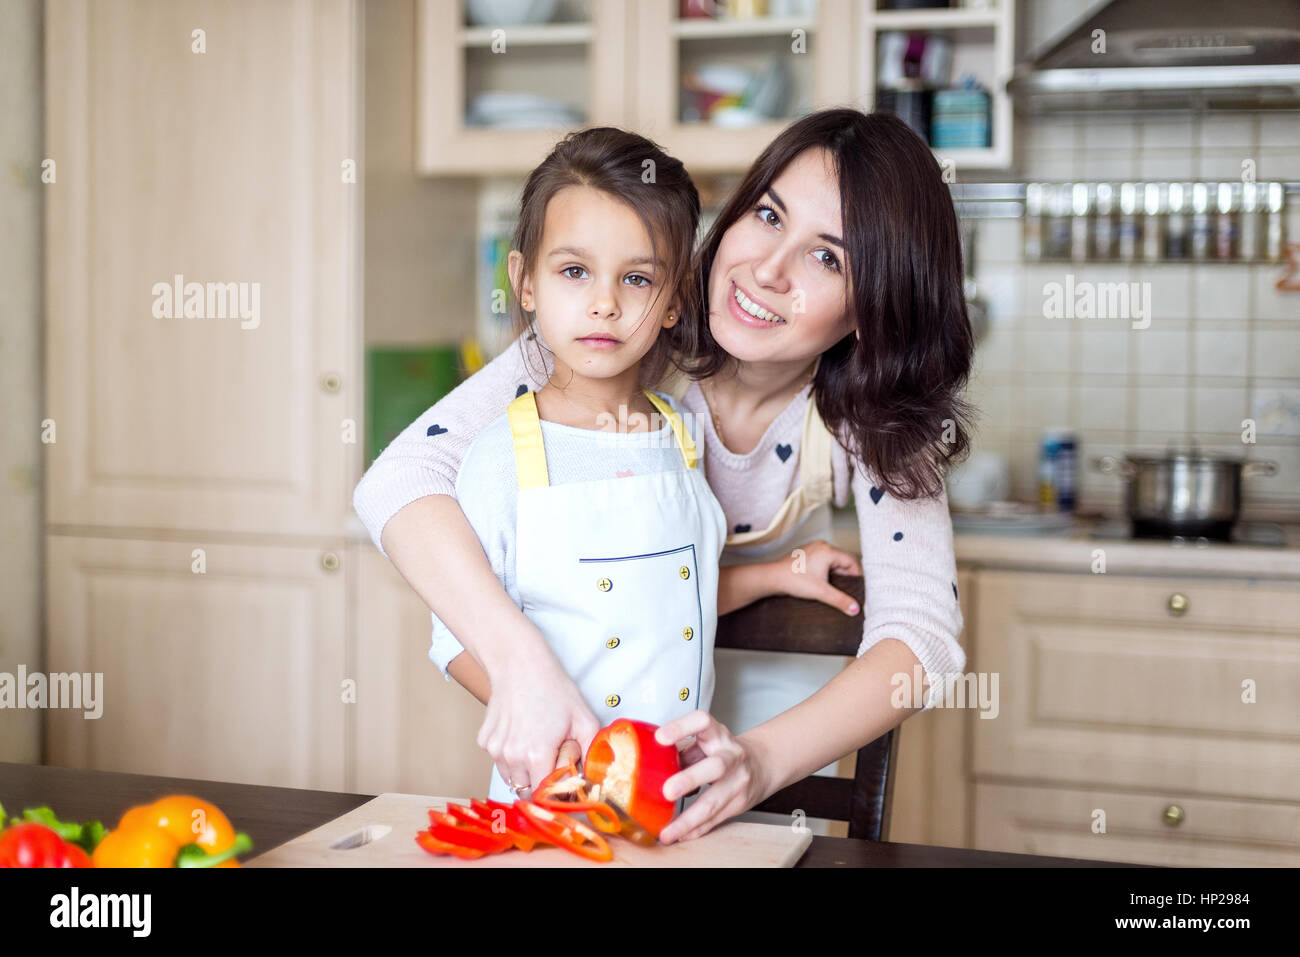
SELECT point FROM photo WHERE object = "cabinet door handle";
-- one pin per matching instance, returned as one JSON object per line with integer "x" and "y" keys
{"x": 329, "y": 561}
{"x": 331, "y": 382}
{"x": 1174, "y": 815}
{"x": 1177, "y": 603}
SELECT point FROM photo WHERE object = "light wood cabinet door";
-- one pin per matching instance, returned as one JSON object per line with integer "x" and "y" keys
{"x": 932, "y": 789}
{"x": 818, "y": 50}
{"x": 216, "y": 146}
{"x": 226, "y": 665}
{"x": 1166, "y": 829}
{"x": 415, "y": 731}
{"x": 1152, "y": 683}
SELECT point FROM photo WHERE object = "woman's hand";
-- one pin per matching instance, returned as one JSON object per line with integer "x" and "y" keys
{"x": 730, "y": 766}
{"x": 536, "y": 720}
{"x": 807, "y": 575}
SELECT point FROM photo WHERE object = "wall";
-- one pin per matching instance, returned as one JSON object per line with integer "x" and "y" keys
{"x": 419, "y": 240}
{"x": 21, "y": 382}
{"x": 1223, "y": 344}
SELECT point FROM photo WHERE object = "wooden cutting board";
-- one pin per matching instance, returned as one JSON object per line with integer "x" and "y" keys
{"x": 392, "y": 820}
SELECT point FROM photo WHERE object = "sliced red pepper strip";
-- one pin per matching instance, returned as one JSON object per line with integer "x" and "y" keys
{"x": 435, "y": 846}
{"x": 568, "y": 832}
{"x": 518, "y": 824}
{"x": 564, "y": 789}
{"x": 447, "y": 827}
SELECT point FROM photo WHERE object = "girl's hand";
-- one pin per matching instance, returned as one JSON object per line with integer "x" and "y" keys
{"x": 535, "y": 718}
{"x": 728, "y": 765}
{"x": 808, "y": 575}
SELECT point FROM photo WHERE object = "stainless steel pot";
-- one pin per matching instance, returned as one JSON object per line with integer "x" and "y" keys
{"x": 1184, "y": 492}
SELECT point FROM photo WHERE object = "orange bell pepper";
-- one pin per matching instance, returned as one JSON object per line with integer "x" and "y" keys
{"x": 168, "y": 833}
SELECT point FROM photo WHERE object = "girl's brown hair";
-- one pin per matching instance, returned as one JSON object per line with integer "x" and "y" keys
{"x": 657, "y": 187}
{"x": 892, "y": 396}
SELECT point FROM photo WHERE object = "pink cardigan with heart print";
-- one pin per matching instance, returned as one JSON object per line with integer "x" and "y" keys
{"x": 908, "y": 564}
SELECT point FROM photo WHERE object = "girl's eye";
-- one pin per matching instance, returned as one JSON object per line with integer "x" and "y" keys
{"x": 569, "y": 269}
{"x": 644, "y": 280}
{"x": 763, "y": 210}
{"x": 830, "y": 262}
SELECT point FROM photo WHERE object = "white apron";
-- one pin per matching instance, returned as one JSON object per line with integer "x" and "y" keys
{"x": 753, "y": 686}
{"x": 621, "y": 577}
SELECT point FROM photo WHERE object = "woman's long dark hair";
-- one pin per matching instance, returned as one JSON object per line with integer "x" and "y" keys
{"x": 893, "y": 396}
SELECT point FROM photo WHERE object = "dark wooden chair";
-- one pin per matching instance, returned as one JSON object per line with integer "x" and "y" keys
{"x": 812, "y": 627}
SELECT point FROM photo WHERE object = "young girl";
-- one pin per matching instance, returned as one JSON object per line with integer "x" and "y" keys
{"x": 602, "y": 530}
{"x": 836, "y": 346}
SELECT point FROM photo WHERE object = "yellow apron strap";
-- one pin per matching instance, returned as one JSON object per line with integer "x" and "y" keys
{"x": 679, "y": 428}
{"x": 530, "y": 453}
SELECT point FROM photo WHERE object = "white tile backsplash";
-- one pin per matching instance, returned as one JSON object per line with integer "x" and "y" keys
{"x": 1223, "y": 343}
{"x": 1276, "y": 353}
{"x": 1220, "y": 350}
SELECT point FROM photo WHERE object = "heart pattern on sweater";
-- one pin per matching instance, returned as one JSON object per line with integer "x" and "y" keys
{"x": 436, "y": 430}
{"x": 876, "y": 495}
{"x": 742, "y": 528}
{"x": 520, "y": 391}
{"x": 783, "y": 451}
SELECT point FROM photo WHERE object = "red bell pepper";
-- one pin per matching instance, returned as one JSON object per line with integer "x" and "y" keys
{"x": 568, "y": 832}
{"x": 452, "y": 830}
{"x": 35, "y": 845}
{"x": 631, "y": 768}
{"x": 564, "y": 789}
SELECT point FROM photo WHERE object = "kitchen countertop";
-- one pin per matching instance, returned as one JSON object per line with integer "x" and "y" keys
{"x": 1073, "y": 552}
{"x": 272, "y": 815}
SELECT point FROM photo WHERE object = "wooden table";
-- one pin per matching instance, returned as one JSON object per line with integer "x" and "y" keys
{"x": 272, "y": 816}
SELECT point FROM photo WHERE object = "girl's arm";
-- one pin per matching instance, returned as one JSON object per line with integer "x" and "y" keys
{"x": 405, "y": 500}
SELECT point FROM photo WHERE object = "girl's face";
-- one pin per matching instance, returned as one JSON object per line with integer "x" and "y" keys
{"x": 594, "y": 283}
{"x": 785, "y": 261}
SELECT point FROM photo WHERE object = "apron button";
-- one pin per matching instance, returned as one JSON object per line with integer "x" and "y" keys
{"x": 604, "y": 584}
{"x": 684, "y": 693}
{"x": 684, "y": 572}
{"x": 614, "y": 699}
{"x": 612, "y": 643}
{"x": 688, "y": 633}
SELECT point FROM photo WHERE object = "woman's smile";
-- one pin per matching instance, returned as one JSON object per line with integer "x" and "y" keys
{"x": 746, "y": 310}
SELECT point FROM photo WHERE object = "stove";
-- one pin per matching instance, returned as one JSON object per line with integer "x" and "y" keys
{"x": 1259, "y": 534}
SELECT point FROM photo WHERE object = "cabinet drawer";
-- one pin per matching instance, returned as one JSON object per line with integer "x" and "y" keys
{"x": 1058, "y": 822}
{"x": 1100, "y": 684}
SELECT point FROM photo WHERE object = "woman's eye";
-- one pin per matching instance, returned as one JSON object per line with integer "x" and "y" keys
{"x": 643, "y": 282}
{"x": 764, "y": 212}
{"x": 830, "y": 262}
{"x": 567, "y": 270}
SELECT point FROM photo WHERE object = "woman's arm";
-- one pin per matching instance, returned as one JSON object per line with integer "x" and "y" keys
{"x": 802, "y": 574}
{"x": 426, "y": 456}
{"x": 912, "y": 619}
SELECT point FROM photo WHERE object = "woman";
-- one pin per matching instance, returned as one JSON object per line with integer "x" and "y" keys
{"x": 832, "y": 284}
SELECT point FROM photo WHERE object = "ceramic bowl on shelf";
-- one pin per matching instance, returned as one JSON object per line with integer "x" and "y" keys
{"x": 504, "y": 13}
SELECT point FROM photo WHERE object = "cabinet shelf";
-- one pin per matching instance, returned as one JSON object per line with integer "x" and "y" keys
{"x": 702, "y": 28}
{"x": 550, "y": 34}
{"x": 938, "y": 19}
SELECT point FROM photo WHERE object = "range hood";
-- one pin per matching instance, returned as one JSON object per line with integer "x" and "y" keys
{"x": 1169, "y": 54}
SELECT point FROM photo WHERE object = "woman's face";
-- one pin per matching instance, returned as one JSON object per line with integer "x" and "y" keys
{"x": 785, "y": 261}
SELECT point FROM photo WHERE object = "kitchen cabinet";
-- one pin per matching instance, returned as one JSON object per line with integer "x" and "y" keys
{"x": 932, "y": 787}
{"x": 217, "y": 661}
{"x": 981, "y": 44}
{"x": 1136, "y": 695}
{"x": 225, "y": 172}
{"x": 415, "y": 731}
{"x": 624, "y": 62}
{"x": 582, "y": 60}
{"x": 816, "y": 52}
